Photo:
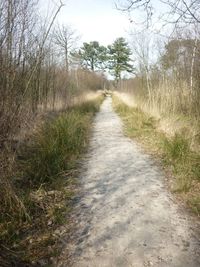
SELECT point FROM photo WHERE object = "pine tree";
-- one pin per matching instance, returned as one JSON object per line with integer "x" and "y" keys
{"x": 92, "y": 56}
{"x": 119, "y": 58}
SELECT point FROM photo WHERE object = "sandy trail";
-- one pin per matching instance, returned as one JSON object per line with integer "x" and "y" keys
{"x": 126, "y": 215}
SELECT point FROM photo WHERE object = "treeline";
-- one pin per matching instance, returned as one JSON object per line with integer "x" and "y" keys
{"x": 167, "y": 62}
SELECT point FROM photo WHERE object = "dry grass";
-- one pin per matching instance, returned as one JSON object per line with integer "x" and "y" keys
{"x": 167, "y": 123}
{"x": 175, "y": 151}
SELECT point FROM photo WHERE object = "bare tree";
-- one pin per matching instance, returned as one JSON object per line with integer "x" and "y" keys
{"x": 141, "y": 5}
{"x": 184, "y": 11}
{"x": 179, "y": 10}
{"x": 140, "y": 44}
{"x": 66, "y": 39}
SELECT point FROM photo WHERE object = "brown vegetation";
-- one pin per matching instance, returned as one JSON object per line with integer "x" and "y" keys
{"x": 36, "y": 86}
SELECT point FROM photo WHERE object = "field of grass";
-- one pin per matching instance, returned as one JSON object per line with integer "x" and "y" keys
{"x": 177, "y": 158}
{"x": 46, "y": 183}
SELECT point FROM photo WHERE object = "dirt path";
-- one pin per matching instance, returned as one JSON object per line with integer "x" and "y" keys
{"x": 127, "y": 217}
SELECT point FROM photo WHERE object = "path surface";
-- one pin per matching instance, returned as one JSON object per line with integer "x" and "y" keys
{"x": 127, "y": 217}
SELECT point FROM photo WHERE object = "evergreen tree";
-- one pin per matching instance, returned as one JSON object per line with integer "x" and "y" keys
{"x": 119, "y": 58}
{"x": 92, "y": 56}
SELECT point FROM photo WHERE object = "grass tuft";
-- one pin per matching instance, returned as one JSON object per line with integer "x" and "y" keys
{"x": 194, "y": 203}
{"x": 177, "y": 148}
{"x": 55, "y": 148}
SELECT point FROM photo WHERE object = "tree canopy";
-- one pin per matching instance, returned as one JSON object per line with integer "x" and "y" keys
{"x": 92, "y": 56}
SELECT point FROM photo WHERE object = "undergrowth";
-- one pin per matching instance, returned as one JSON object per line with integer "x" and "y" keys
{"x": 55, "y": 147}
{"x": 175, "y": 152}
{"x": 45, "y": 179}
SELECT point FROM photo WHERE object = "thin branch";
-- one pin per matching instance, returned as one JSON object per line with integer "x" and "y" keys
{"x": 189, "y": 10}
{"x": 38, "y": 58}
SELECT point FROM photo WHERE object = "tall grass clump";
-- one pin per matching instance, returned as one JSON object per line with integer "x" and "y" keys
{"x": 177, "y": 148}
{"x": 57, "y": 144}
{"x": 184, "y": 161}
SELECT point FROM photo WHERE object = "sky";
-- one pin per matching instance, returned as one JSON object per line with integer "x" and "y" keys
{"x": 99, "y": 20}
{"x": 94, "y": 20}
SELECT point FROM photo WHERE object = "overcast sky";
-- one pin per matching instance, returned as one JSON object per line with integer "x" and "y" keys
{"x": 93, "y": 19}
